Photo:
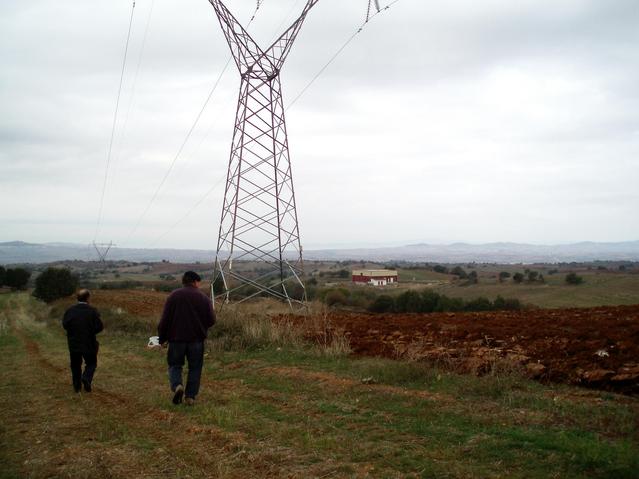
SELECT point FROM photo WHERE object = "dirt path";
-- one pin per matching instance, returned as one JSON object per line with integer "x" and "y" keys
{"x": 52, "y": 432}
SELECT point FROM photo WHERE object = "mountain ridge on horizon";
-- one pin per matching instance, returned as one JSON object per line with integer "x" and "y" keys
{"x": 15, "y": 252}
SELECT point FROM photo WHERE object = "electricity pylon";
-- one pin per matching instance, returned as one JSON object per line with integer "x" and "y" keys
{"x": 259, "y": 249}
{"x": 103, "y": 250}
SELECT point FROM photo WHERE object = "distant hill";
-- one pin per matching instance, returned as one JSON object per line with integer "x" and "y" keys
{"x": 20, "y": 252}
{"x": 490, "y": 253}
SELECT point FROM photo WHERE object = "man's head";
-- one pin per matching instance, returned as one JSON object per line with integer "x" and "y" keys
{"x": 84, "y": 295}
{"x": 191, "y": 278}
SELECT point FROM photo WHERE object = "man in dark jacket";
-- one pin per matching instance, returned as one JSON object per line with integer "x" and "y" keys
{"x": 188, "y": 314}
{"x": 82, "y": 322}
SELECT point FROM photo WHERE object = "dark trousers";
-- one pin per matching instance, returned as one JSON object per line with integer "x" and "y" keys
{"x": 194, "y": 354}
{"x": 90, "y": 364}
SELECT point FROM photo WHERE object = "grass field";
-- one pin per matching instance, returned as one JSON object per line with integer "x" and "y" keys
{"x": 272, "y": 406}
{"x": 598, "y": 289}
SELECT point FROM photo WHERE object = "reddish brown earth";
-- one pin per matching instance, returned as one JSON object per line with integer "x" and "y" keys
{"x": 138, "y": 303}
{"x": 595, "y": 347}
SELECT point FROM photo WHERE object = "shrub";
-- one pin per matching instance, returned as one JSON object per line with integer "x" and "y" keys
{"x": 459, "y": 272}
{"x": 166, "y": 287}
{"x": 440, "y": 269}
{"x": 383, "y": 304}
{"x": 479, "y": 304}
{"x": 473, "y": 278}
{"x": 408, "y": 302}
{"x": 55, "y": 283}
{"x": 518, "y": 278}
{"x": 336, "y": 297}
{"x": 573, "y": 278}
{"x": 445, "y": 304}
{"x": 504, "y": 275}
{"x": 429, "y": 301}
{"x": 17, "y": 278}
{"x": 533, "y": 276}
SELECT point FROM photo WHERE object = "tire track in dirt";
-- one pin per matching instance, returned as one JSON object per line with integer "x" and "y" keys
{"x": 221, "y": 453}
{"x": 149, "y": 423}
{"x": 341, "y": 384}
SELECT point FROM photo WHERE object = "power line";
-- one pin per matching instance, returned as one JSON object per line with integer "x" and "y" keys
{"x": 339, "y": 51}
{"x": 133, "y": 88}
{"x": 172, "y": 165}
{"x": 115, "y": 118}
{"x": 369, "y": 17}
{"x": 188, "y": 136}
{"x": 189, "y": 212}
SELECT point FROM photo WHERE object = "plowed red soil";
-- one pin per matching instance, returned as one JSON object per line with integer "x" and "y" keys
{"x": 139, "y": 303}
{"x": 595, "y": 347}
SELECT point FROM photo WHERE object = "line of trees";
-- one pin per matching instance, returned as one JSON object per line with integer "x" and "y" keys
{"x": 428, "y": 301}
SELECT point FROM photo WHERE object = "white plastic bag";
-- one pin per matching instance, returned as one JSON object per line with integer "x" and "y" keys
{"x": 154, "y": 342}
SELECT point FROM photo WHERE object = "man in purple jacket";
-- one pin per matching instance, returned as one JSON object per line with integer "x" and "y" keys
{"x": 188, "y": 314}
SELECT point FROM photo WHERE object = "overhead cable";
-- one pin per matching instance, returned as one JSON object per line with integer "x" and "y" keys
{"x": 339, "y": 51}
{"x": 186, "y": 139}
{"x": 222, "y": 179}
{"x": 115, "y": 119}
{"x": 133, "y": 88}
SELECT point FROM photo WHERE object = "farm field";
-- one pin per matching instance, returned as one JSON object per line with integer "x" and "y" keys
{"x": 274, "y": 405}
{"x": 598, "y": 289}
{"x": 593, "y": 347}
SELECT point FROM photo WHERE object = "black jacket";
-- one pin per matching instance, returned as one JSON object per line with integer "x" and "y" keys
{"x": 188, "y": 314}
{"x": 82, "y": 322}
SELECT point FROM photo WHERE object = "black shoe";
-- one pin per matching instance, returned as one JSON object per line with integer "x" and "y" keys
{"x": 178, "y": 394}
{"x": 76, "y": 390}
{"x": 87, "y": 386}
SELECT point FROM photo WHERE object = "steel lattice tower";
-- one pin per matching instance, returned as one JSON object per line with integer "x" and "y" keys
{"x": 259, "y": 224}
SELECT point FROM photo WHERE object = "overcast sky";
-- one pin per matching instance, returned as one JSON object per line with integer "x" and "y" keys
{"x": 443, "y": 121}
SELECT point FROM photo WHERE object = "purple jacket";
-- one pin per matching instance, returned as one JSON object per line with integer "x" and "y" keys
{"x": 188, "y": 314}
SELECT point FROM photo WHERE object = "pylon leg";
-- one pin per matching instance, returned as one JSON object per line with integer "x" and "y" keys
{"x": 259, "y": 249}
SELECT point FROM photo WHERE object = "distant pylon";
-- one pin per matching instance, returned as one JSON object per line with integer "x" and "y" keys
{"x": 259, "y": 249}
{"x": 103, "y": 250}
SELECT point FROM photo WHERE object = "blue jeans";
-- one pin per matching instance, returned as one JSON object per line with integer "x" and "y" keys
{"x": 194, "y": 354}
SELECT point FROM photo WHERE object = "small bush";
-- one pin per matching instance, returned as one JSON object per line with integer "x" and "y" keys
{"x": 574, "y": 279}
{"x": 459, "y": 272}
{"x": 479, "y": 304}
{"x": 446, "y": 304}
{"x": 383, "y": 304}
{"x": 408, "y": 302}
{"x": 166, "y": 287}
{"x": 55, "y": 283}
{"x": 17, "y": 278}
{"x": 429, "y": 301}
{"x": 518, "y": 278}
{"x": 336, "y": 297}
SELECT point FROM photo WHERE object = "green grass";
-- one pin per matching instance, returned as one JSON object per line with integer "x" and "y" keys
{"x": 599, "y": 289}
{"x": 279, "y": 408}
